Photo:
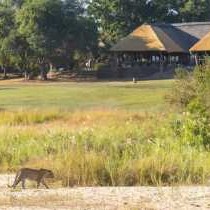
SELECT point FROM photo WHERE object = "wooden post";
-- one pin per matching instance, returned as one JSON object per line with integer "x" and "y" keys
{"x": 196, "y": 60}
{"x": 161, "y": 63}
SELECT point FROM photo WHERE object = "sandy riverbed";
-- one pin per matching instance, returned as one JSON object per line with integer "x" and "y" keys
{"x": 104, "y": 198}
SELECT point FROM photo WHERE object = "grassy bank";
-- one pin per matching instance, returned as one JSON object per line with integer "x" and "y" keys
{"x": 103, "y": 147}
{"x": 111, "y": 133}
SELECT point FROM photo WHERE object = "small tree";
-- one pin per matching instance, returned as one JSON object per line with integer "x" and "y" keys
{"x": 21, "y": 53}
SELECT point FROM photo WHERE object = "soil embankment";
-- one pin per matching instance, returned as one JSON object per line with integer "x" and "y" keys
{"x": 104, "y": 198}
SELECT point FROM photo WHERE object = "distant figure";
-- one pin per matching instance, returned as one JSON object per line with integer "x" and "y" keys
{"x": 32, "y": 174}
{"x": 135, "y": 72}
{"x": 89, "y": 65}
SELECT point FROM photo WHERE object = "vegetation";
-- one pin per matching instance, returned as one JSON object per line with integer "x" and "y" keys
{"x": 107, "y": 146}
{"x": 101, "y": 148}
{"x": 122, "y": 17}
{"x": 55, "y": 137}
{"x": 109, "y": 133}
{"x": 192, "y": 86}
{"x": 39, "y": 34}
{"x": 192, "y": 93}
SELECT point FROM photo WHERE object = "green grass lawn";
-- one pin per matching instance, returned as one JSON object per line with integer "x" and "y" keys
{"x": 144, "y": 96}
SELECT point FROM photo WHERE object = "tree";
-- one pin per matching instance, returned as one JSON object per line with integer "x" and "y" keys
{"x": 6, "y": 27}
{"x": 80, "y": 31}
{"x": 116, "y": 18}
{"x": 22, "y": 55}
{"x": 12, "y": 3}
{"x": 122, "y": 16}
{"x": 107, "y": 14}
{"x": 194, "y": 10}
{"x": 42, "y": 30}
{"x": 40, "y": 22}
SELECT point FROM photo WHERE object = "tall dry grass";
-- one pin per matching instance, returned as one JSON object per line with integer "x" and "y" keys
{"x": 102, "y": 147}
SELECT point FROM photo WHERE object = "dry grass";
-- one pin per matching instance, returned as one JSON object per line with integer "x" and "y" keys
{"x": 100, "y": 148}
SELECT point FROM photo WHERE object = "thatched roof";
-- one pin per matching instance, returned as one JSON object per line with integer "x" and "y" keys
{"x": 203, "y": 45}
{"x": 171, "y": 38}
{"x": 143, "y": 38}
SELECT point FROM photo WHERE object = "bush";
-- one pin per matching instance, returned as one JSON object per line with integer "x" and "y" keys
{"x": 195, "y": 131}
{"x": 192, "y": 92}
{"x": 190, "y": 86}
{"x": 184, "y": 89}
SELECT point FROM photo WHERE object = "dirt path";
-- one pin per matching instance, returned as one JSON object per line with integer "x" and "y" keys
{"x": 105, "y": 198}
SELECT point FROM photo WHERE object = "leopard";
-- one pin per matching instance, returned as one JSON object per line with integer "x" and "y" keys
{"x": 37, "y": 175}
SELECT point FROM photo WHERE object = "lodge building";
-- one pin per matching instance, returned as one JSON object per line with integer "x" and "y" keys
{"x": 162, "y": 46}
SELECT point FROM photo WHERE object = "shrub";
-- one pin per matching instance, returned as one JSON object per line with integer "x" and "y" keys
{"x": 192, "y": 92}
{"x": 184, "y": 89}
{"x": 190, "y": 86}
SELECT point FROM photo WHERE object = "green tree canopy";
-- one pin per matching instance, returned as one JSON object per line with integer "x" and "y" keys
{"x": 116, "y": 18}
{"x": 6, "y": 30}
{"x": 55, "y": 28}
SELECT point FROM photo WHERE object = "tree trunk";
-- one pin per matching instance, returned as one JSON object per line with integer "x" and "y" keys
{"x": 26, "y": 75}
{"x": 43, "y": 73}
{"x": 5, "y": 72}
{"x": 51, "y": 66}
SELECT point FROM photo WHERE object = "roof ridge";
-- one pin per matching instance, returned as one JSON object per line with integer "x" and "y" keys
{"x": 158, "y": 38}
{"x": 178, "y": 24}
{"x": 191, "y": 23}
{"x": 165, "y": 38}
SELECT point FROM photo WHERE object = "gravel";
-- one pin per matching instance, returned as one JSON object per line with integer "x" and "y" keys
{"x": 104, "y": 198}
